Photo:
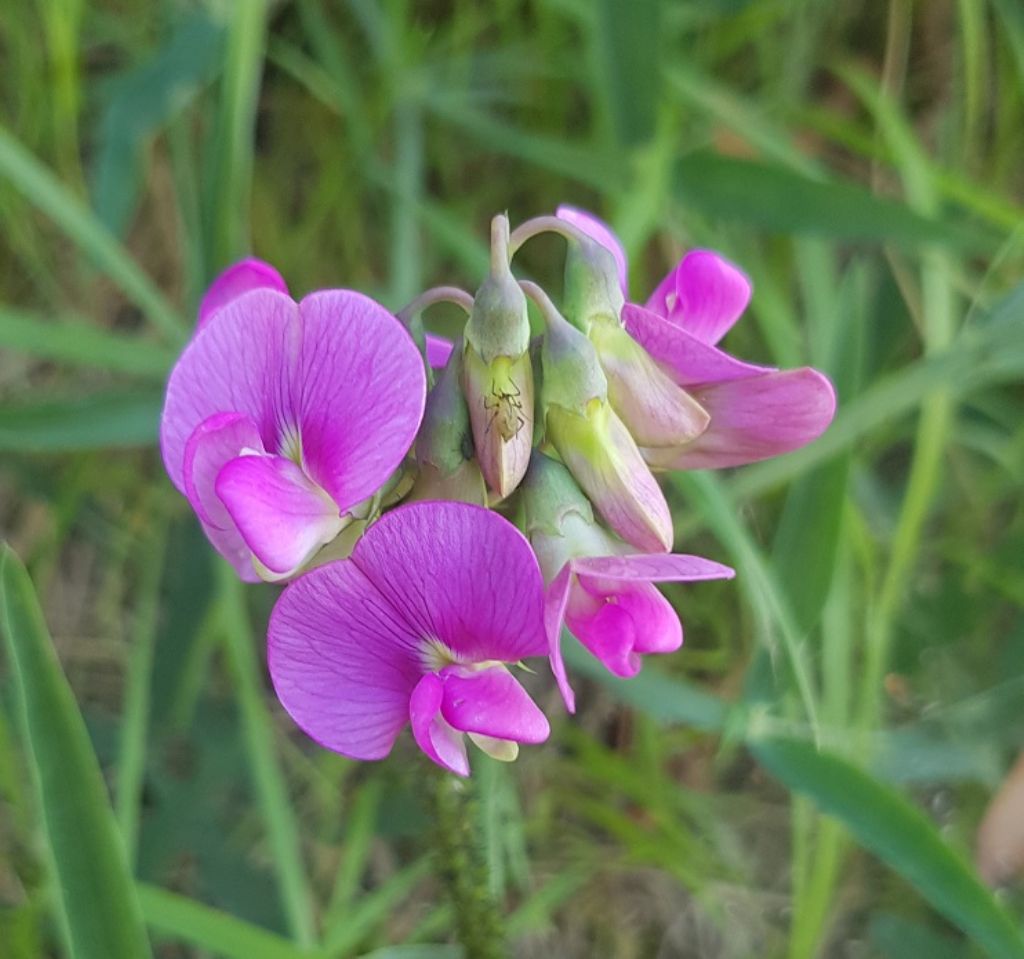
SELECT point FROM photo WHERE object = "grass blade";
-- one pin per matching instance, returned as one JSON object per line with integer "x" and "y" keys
{"x": 79, "y": 344}
{"x": 229, "y": 198}
{"x": 101, "y": 914}
{"x": 116, "y": 420}
{"x": 900, "y": 835}
{"x": 268, "y": 778}
{"x": 44, "y": 190}
{"x": 186, "y": 920}
{"x": 783, "y": 201}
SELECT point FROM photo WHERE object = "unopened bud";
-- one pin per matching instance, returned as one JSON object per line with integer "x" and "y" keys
{"x": 559, "y": 521}
{"x": 604, "y": 458}
{"x": 497, "y": 375}
{"x": 444, "y": 445}
{"x": 591, "y": 439}
{"x": 594, "y": 270}
{"x": 657, "y": 411}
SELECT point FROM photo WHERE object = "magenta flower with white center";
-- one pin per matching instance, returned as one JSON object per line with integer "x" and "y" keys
{"x": 282, "y": 417}
{"x": 417, "y": 626}
{"x": 597, "y": 587}
{"x": 753, "y": 412}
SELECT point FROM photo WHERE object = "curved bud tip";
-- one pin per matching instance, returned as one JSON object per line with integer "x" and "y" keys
{"x": 499, "y": 324}
{"x": 499, "y": 395}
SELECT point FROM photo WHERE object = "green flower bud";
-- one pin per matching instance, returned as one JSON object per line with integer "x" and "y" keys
{"x": 444, "y": 444}
{"x": 497, "y": 375}
{"x": 591, "y": 439}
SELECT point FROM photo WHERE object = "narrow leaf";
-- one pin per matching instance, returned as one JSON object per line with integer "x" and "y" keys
{"x": 900, "y": 835}
{"x": 115, "y": 420}
{"x": 100, "y": 912}
{"x": 783, "y": 201}
{"x": 186, "y": 920}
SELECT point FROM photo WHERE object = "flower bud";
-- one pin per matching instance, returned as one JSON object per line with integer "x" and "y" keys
{"x": 497, "y": 376}
{"x": 593, "y": 442}
{"x": 594, "y": 274}
{"x": 558, "y": 519}
{"x": 657, "y": 411}
{"x": 444, "y": 445}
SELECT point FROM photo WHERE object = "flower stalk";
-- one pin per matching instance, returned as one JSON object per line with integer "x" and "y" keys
{"x": 461, "y": 866}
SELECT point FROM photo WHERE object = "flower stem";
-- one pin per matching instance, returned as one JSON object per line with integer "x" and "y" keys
{"x": 460, "y": 865}
{"x": 437, "y": 294}
{"x": 542, "y": 224}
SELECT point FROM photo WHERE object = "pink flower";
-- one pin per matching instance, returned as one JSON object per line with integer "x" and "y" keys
{"x": 603, "y": 593}
{"x": 610, "y": 604}
{"x": 282, "y": 417}
{"x": 754, "y": 412}
{"x": 416, "y": 626}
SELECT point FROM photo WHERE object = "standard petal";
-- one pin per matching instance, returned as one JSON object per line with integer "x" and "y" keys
{"x": 432, "y": 732}
{"x": 491, "y": 702}
{"x": 281, "y": 515}
{"x": 357, "y": 393}
{"x": 342, "y": 661}
{"x": 438, "y": 350}
{"x": 216, "y": 440}
{"x": 249, "y": 274}
{"x": 689, "y": 361}
{"x": 460, "y": 574}
{"x": 240, "y": 364}
{"x": 755, "y": 419}
{"x": 705, "y": 294}
{"x": 554, "y": 615}
{"x": 652, "y": 567}
{"x": 597, "y": 230}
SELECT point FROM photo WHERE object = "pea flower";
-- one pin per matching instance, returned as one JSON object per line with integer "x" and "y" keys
{"x": 753, "y": 412}
{"x": 282, "y": 417}
{"x": 418, "y": 626}
{"x": 597, "y": 587}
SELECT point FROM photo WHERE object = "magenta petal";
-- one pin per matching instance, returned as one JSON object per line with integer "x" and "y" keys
{"x": 554, "y": 615}
{"x": 281, "y": 515}
{"x": 618, "y": 621}
{"x": 462, "y": 575}
{"x": 754, "y": 419}
{"x": 443, "y": 744}
{"x": 491, "y": 702}
{"x": 342, "y": 661}
{"x": 599, "y": 231}
{"x": 249, "y": 274}
{"x": 229, "y": 543}
{"x": 652, "y": 567}
{"x": 358, "y": 394}
{"x": 216, "y": 440}
{"x": 238, "y": 364}
{"x": 438, "y": 350}
{"x": 705, "y": 294}
{"x": 689, "y": 361}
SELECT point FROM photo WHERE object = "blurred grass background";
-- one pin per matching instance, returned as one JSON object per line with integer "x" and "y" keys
{"x": 860, "y": 159}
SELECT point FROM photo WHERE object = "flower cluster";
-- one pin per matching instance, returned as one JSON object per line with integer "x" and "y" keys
{"x": 440, "y": 511}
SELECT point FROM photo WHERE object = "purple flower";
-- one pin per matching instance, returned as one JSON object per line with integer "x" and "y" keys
{"x": 754, "y": 412}
{"x": 415, "y": 627}
{"x": 603, "y": 593}
{"x": 610, "y": 604}
{"x": 282, "y": 417}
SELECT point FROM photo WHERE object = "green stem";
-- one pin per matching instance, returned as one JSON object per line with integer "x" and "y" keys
{"x": 460, "y": 864}
{"x": 268, "y": 778}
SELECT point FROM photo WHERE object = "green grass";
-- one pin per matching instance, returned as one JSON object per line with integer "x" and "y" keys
{"x": 810, "y": 770}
